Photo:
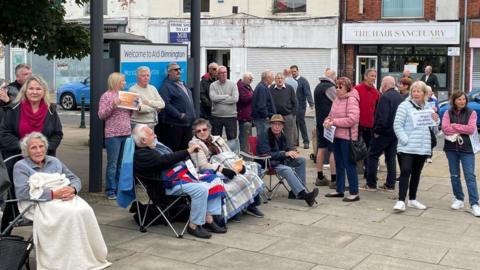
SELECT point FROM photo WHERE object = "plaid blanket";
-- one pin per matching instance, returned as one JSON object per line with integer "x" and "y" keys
{"x": 241, "y": 190}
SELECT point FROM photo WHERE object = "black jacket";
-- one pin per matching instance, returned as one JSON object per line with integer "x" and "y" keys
{"x": 269, "y": 145}
{"x": 432, "y": 81}
{"x": 9, "y": 134}
{"x": 462, "y": 118}
{"x": 323, "y": 103}
{"x": 205, "y": 101}
{"x": 385, "y": 113}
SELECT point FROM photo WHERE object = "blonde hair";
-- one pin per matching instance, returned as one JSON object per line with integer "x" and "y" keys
{"x": 422, "y": 86}
{"x": 114, "y": 80}
{"x": 22, "y": 95}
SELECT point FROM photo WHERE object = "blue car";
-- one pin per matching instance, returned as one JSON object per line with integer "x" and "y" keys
{"x": 473, "y": 103}
{"x": 69, "y": 95}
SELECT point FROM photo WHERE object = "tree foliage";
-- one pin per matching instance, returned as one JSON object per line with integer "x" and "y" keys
{"x": 39, "y": 26}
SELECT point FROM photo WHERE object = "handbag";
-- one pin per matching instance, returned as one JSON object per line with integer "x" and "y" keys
{"x": 357, "y": 149}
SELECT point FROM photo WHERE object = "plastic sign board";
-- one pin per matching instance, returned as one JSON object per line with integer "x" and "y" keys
{"x": 453, "y": 51}
{"x": 156, "y": 57}
{"x": 179, "y": 32}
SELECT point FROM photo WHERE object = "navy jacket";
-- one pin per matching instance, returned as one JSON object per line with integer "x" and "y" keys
{"x": 176, "y": 103}
{"x": 269, "y": 145}
{"x": 304, "y": 94}
{"x": 385, "y": 113}
{"x": 262, "y": 104}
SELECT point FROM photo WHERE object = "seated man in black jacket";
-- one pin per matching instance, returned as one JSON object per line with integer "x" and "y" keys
{"x": 155, "y": 160}
{"x": 284, "y": 159}
{"x": 384, "y": 139}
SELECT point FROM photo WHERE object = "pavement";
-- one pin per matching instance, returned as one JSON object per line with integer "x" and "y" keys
{"x": 331, "y": 235}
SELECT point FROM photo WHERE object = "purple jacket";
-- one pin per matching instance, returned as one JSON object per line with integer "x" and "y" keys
{"x": 244, "y": 104}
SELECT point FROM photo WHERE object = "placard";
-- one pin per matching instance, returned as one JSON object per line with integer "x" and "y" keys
{"x": 129, "y": 100}
{"x": 329, "y": 133}
{"x": 423, "y": 118}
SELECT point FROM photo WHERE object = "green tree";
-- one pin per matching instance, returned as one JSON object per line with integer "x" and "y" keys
{"x": 39, "y": 26}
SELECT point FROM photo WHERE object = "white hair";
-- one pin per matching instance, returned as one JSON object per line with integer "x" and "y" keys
{"x": 247, "y": 75}
{"x": 142, "y": 68}
{"x": 34, "y": 135}
{"x": 138, "y": 133}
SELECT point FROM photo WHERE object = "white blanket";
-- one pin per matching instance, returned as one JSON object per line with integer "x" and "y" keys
{"x": 65, "y": 233}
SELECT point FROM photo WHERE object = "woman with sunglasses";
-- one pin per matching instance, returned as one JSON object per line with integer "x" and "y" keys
{"x": 242, "y": 185}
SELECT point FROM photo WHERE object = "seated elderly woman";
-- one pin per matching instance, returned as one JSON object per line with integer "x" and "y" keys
{"x": 243, "y": 185}
{"x": 65, "y": 231}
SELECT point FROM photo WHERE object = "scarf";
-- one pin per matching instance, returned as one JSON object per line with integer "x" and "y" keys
{"x": 30, "y": 121}
{"x": 212, "y": 148}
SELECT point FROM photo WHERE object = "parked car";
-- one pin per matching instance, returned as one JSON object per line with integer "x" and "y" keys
{"x": 69, "y": 95}
{"x": 473, "y": 103}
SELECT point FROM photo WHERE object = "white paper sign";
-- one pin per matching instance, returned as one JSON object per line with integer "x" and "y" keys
{"x": 423, "y": 118}
{"x": 475, "y": 142}
{"x": 329, "y": 133}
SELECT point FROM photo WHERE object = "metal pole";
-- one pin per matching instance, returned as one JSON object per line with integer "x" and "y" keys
{"x": 195, "y": 53}
{"x": 96, "y": 85}
{"x": 82, "y": 113}
{"x": 463, "y": 47}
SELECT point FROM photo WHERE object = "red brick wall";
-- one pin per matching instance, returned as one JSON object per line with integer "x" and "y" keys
{"x": 372, "y": 10}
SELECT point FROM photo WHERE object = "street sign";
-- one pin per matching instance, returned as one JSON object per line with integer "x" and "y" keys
{"x": 179, "y": 32}
{"x": 156, "y": 57}
{"x": 453, "y": 51}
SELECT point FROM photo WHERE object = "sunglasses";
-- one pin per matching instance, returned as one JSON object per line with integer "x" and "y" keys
{"x": 201, "y": 130}
{"x": 175, "y": 69}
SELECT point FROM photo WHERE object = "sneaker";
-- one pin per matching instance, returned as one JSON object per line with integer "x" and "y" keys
{"x": 213, "y": 227}
{"x": 399, "y": 206}
{"x": 476, "y": 210}
{"x": 386, "y": 188}
{"x": 333, "y": 185}
{"x": 292, "y": 196}
{"x": 366, "y": 187}
{"x": 322, "y": 182}
{"x": 429, "y": 160}
{"x": 237, "y": 218}
{"x": 112, "y": 197}
{"x": 416, "y": 204}
{"x": 199, "y": 232}
{"x": 457, "y": 204}
{"x": 310, "y": 197}
{"x": 252, "y": 210}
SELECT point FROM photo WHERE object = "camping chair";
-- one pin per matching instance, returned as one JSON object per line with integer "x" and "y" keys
{"x": 11, "y": 208}
{"x": 159, "y": 205}
{"x": 271, "y": 187}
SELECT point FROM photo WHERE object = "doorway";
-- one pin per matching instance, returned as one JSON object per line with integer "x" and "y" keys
{"x": 221, "y": 57}
{"x": 364, "y": 63}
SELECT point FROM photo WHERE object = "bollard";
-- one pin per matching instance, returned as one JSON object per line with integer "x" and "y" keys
{"x": 82, "y": 113}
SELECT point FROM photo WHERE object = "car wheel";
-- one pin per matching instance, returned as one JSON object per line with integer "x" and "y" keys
{"x": 67, "y": 101}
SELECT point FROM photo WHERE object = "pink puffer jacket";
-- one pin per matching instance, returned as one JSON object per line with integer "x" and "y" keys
{"x": 345, "y": 113}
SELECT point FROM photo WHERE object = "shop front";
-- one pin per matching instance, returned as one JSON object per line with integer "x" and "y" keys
{"x": 390, "y": 48}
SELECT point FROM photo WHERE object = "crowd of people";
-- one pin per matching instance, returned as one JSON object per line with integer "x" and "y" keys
{"x": 191, "y": 154}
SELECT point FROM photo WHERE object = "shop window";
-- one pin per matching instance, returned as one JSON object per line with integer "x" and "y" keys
{"x": 204, "y": 6}
{"x": 287, "y": 6}
{"x": 430, "y": 50}
{"x": 367, "y": 49}
{"x": 396, "y": 50}
{"x": 402, "y": 8}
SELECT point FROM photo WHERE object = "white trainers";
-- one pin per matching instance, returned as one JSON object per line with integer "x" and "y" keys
{"x": 399, "y": 206}
{"x": 476, "y": 210}
{"x": 416, "y": 204}
{"x": 457, "y": 204}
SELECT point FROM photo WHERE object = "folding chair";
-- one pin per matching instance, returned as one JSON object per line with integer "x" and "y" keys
{"x": 160, "y": 201}
{"x": 271, "y": 187}
{"x": 11, "y": 208}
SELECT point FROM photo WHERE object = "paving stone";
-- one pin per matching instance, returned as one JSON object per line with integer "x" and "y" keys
{"x": 240, "y": 239}
{"x": 324, "y": 267}
{"x": 461, "y": 216}
{"x": 239, "y": 259}
{"x": 430, "y": 223}
{"x": 106, "y": 214}
{"x": 398, "y": 249}
{"x": 383, "y": 262}
{"x": 148, "y": 262}
{"x": 441, "y": 239}
{"x": 379, "y": 229}
{"x": 115, "y": 254}
{"x": 173, "y": 248}
{"x": 355, "y": 212}
{"x": 473, "y": 230}
{"x": 462, "y": 259}
{"x": 316, "y": 253}
{"x": 292, "y": 216}
{"x": 114, "y": 236}
{"x": 253, "y": 224}
{"x": 328, "y": 237}
{"x": 441, "y": 188}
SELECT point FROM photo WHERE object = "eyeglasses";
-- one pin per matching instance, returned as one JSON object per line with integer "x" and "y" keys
{"x": 201, "y": 130}
{"x": 223, "y": 72}
{"x": 176, "y": 69}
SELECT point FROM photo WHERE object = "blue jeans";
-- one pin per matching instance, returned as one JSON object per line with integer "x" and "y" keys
{"x": 261, "y": 124}
{"x": 114, "y": 146}
{"x": 293, "y": 170}
{"x": 302, "y": 126}
{"x": 468, "y": 166}
{"x": 244, "y": 130}
{"x": 341, "y": 152}
{"x": 200, "y": 206}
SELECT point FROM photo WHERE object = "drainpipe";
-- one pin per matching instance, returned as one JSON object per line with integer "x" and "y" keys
{"x": 464, "y": 47}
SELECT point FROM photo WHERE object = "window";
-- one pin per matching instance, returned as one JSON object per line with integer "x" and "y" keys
{"x": 402, "y": 8}
{"x": 286, "y": 6}
{"x": 204, "y": 5}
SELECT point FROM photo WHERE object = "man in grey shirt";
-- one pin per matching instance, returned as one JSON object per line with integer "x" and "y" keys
{"x": 224, "y": 97}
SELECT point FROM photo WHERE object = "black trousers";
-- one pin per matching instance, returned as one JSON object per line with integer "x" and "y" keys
{"x": 173, "y": 136}
{"x": 367, "y": 134}
{"x": 378, "y": 146}
{"x": 410, "y": 171}
{"x": 230, "y": 124}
